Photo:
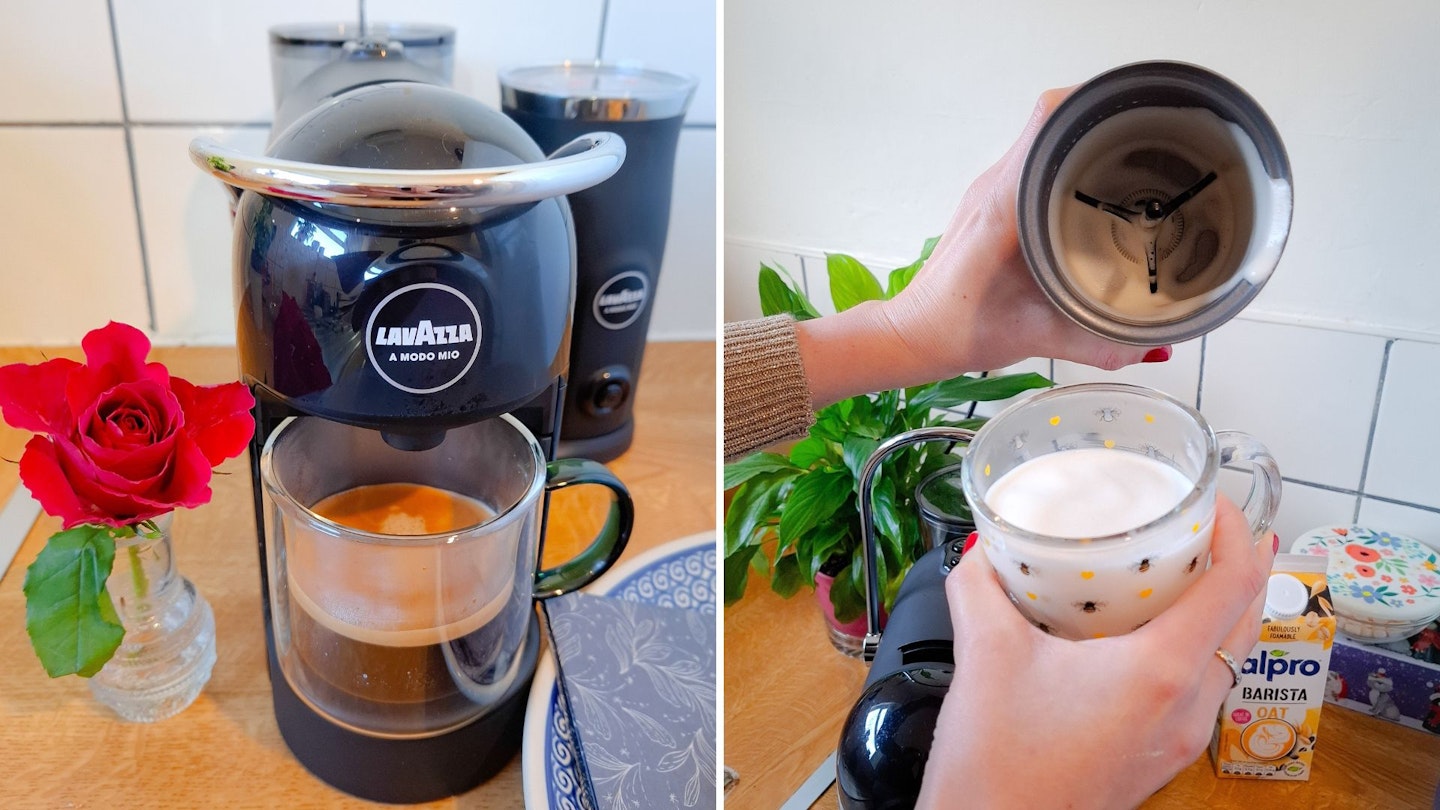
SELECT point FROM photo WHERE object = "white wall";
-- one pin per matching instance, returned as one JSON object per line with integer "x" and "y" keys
{"x": 104, "y": 216}
{"x": 856, "y": 126}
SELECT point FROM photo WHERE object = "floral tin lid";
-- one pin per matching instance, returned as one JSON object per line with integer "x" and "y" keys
{"x": 1386, "y": 584}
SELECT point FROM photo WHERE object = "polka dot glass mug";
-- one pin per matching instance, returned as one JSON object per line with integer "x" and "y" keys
{"x": 1095, "y": 503}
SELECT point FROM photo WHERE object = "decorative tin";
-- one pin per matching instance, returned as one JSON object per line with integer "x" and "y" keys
{"x": 1386, "y": 586}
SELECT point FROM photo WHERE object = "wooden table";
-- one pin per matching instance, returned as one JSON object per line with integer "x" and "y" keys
{"x": 787, "y": 692}
{"x": 60, "y": 748}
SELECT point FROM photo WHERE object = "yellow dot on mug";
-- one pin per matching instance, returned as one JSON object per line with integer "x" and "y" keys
{"x": 1110, "y": 444}
{"x": 1054, "y": 420}
{"x": 1031, "y": 595}
{"x": 1150, "y": 418}
{"x": 1086, "y": 574}
{"x": 987, "y": 469}
{"x": 1195, "y": 529}
{"x": 1145, "y": 594}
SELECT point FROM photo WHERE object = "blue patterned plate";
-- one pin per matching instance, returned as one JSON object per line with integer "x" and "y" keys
{"x": 681, "y": 574}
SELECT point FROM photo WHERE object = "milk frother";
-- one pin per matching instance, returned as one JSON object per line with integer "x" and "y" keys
{"x": 620, "y": 228}
{"x": 1154, "y": 203}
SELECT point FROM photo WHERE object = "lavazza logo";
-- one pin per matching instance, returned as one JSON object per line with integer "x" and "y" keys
{"x": 620, "y": 300}
{"x": 422, "y": 338}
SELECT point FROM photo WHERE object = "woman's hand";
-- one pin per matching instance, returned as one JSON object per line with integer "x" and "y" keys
{"x": 974, "y": 306}
{"x": 1037, "y": 721}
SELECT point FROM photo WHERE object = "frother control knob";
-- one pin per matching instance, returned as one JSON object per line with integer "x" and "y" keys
{"x": 609, "y": 389}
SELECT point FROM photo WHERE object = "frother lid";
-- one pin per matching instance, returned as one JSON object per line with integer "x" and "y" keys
{"x": 594, "y": 91}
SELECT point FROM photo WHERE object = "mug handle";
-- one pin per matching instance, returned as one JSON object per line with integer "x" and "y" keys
{"x": 1264, "y": 501}
{"x": 582, "y": 569}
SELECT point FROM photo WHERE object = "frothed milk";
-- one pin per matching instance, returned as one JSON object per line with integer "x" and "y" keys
{"x": 1088, "y": 492}
{"x": 1076, "y": 584}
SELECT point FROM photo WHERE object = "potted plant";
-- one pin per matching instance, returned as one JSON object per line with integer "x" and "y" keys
{"x": 794, "y": 518}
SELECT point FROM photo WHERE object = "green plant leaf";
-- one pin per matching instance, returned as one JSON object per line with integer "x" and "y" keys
{"x": 857, "y": 451}
{"x": 754, "y": 505}
{"x": 845, "y": 596}
{"x": 850, "y": 281}
{"x": 68, "y": 613}
{"x": 821, "y": 544}
{"x": 815, "y": 497}
{"x": 779, "y": 296}
{"x": 807, "y": 451}
{"x": 832, "y": 422}
{"x": 958, "y": 390}
{"x": 786, "y": 578}
{"x": 901, "y": 277}
{"x": 737, "y": 572}
{"x": 753, "y": 465}
{"x": 886, "y": 522}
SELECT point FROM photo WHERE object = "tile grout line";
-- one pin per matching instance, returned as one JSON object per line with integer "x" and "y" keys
{"x": 1374, "y": 423}
{"x": 604, "y": 21}
{"x": 1200, "y": 377}
{"x": 134, "y": 175}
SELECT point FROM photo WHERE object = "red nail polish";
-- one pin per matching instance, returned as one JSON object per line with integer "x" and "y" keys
{"x": 1159, "y": 355}
{"x": 970, "y": 541}
{"x": 1275, "y": 546}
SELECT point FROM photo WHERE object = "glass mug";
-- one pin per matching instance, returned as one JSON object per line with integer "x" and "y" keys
{"x": 402, "y": 581}
{"x": 1081, "y": 587}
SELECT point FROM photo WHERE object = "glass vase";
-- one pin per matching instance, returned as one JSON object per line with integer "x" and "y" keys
{"x": 168, "y": 651}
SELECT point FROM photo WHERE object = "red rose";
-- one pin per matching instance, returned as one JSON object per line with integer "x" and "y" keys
{"x": 122, "y": 440}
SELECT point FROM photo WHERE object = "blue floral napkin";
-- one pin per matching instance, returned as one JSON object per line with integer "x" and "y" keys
{"x": 639, "y": 684}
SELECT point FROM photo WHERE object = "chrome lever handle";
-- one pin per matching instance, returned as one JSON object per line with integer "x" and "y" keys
{"x": 579, "y": 164}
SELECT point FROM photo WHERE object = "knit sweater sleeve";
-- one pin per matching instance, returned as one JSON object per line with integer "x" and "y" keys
{"x": 767, "y": 397}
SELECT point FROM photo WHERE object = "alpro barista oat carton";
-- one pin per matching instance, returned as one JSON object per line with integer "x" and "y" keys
{"x": 1269, "y": 722}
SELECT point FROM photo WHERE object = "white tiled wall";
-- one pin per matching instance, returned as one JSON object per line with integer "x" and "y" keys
{"x": 105, "y": 217}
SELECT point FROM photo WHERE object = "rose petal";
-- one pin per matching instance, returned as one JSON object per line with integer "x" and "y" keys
{"x": 217, "y": 417}
{"x": 103, "y": 493}
{"x": 189, "y": 483}
{"x": 146, "y": 401}
{"x": 119, "y": 346}
{"x": 132, "y": 464}
{"x": 33, "y": 397}
{"x": 114, "y": 354}
{"x": 41, "y": 473}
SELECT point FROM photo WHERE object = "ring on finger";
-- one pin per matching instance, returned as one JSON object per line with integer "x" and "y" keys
{"x": 1229, "y": 661}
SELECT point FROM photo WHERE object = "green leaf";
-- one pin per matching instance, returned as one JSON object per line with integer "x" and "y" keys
{"x": 815, "y": 497}
{"x": 886, "y": 521}
{"x": 957, "y": 390}
{"x": 786, "y": 579}
{"x": 832, "y": 421}
{"x": 901, "y": 277}
{"x": 751, "y": 466}
{"x": 850, "y": 281}
{"x": 778, "y": 296}
{"x": 857, "y": 451}
{"x": 807, "y": 451}
{"x": 754, "y": 505}
{"x": 68, "y": 613}
{"x": 737, "y": 571}
{"x": 845, "y": 596}
{"x": 822, "y": 544}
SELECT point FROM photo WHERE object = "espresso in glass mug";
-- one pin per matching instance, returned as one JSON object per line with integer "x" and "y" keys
{"x": 1096, "y": 503}
{"x": 403, "y": 581}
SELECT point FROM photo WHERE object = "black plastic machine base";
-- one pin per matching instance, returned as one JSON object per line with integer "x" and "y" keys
{"x": 406, "y": 771}
{"x": 605, "y": 447}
